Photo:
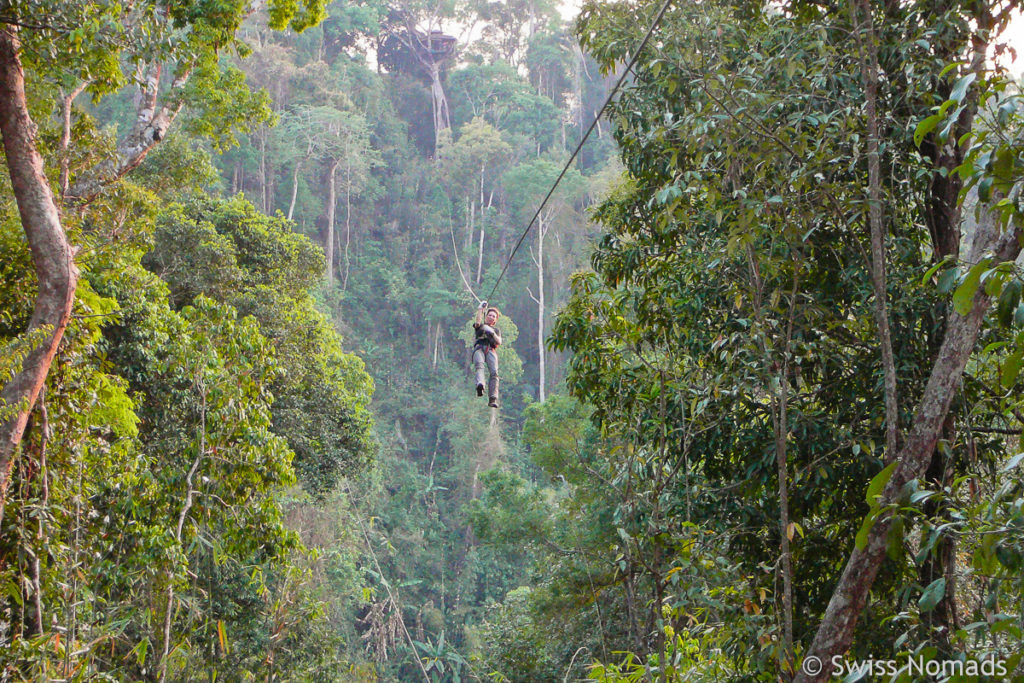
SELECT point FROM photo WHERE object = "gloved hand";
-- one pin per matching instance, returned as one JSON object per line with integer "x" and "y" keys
{"x": 483, "y": 304}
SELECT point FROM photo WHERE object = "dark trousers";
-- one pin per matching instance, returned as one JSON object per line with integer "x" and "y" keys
{"x": 486, "y": 360}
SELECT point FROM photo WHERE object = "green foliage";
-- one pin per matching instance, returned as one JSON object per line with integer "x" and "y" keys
{"x": 741, "y": 137}
{"x": 203, "y": 373}
{"x": 227, "y": 250}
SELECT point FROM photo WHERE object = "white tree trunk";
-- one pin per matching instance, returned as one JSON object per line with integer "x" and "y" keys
{"x": 348, "y": 216}
{"x": 480, "y": 253}
{"x": 437, "y": 344}
{"x": 480, "y": 249}
{"x": 439, "y": 105}
{"x": 295, "y": 188}
{"x": 263, "y": 170}
{"x": 471, "y": 218}
{"x": 541, "y": 229}
{"x": 331, "y": 201}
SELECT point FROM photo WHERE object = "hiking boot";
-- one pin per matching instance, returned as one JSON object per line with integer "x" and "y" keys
{"x": 479, "y": 389}
{"x": 493, "y": 402}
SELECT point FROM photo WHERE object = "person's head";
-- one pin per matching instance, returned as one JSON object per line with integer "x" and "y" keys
{"x": 491, "y": 316}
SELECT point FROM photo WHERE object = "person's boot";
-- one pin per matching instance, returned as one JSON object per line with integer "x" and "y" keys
{"x": 493, "y": 402}
{"x": 479, "y": 389}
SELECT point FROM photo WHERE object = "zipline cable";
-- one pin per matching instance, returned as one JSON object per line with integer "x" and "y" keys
{"x": 622, "y": 78}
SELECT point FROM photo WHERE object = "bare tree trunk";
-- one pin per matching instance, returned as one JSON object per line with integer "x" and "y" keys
{"x": 348, "y": 216}
{"x": 152, "y": 124}
{"x": 480, "y": 250}
{"x": 271, "y": 187}
{"x": 331, "y": 200}
{"x": 437, "y": 344}
{"x": 263, "y": 169}
{"x": 780, "y": 417}
{"x": 835, "y": 633}
{"x": 943, "y": 620}
{"x": 864, "y": 29}
{"x": 295, "y": 188}
{"x": 40, "y": 425}
{"x": 65, "y": 139}
{"x": 541, "y": 229}
{"x": 471, "y": 219}
{"x": 52, "y": 255}
{"x": 439, "y": 105}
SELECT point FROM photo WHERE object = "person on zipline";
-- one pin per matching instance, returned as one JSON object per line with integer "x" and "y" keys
{"x": 485, "y": 351}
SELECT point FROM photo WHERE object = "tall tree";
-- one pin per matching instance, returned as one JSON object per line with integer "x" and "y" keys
{"x": 480, "y": 153}
{"x": 344, "y": 144}
{"x": 97, "y": 39}
{"x": 770, "y": 96}
{"x": 416, "y": 43}
{"x": 527, "y": 185}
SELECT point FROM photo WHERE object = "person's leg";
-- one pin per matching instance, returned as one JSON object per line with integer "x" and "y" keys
{"x": 492, "y": 384}
{"x": 481, "y": 370}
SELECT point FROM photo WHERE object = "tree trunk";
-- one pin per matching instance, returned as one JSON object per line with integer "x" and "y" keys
{"x": 835, "y": 633}
{"x": 480, "y": 249}
{"x": 541, "y": 229}
{"x": 331, "y": 200}
{"x": 439, "y": 105}
{"x": 480, "y": 253}
{"x": 348, "y": 216}
{"x": 471, "y": 220}
{"x": 943, "y": 620}
{"x": 864, "y": 29}
{"x": 263, "y": 170}
{"x": 65, "y": 139}
{"x": 152, "y": 124}
{"x": 781, "y": 420}
{"x": 437, "y": 344}
{"x": 52, "y": 255}
{"x": 295, "y": 188}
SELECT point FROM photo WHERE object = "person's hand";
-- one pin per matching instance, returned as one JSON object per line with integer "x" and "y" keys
{"x": 483, "y": 304}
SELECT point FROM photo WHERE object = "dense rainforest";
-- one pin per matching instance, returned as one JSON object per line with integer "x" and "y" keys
{"x": 759, "y": 414}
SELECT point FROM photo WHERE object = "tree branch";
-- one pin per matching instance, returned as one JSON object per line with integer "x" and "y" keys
{"x": 835, "y": 633}
{"x": 52, "y": 255}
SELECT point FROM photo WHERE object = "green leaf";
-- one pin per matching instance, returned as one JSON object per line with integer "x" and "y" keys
{"x": 985, "y": 189}
{"x": 960, "y": 89}
{"x": 1009, "y": 299}
{"x": 878, "y": 483}
{"x": 935, "y": 268}
{"x": 918, "y": 496}
{"x": 963, "y": 297}
{"x": 1013, "y": 462}
{"x": 894, "y": 546}
{"x": 1009, "y": 557}
{"x": 948, "y": 68}
{"x": 926, "y": 126}
{"x": 865, "y": 529}
{"x": 1011, "y": 368}
{"x": 947, "y": 280}
{"x": 932, "y": 595}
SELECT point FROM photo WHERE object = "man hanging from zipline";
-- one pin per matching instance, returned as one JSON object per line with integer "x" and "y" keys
{"x": 485, "y": 351}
